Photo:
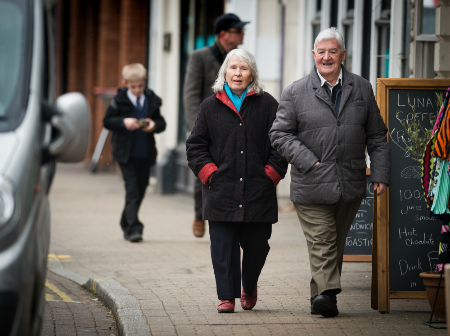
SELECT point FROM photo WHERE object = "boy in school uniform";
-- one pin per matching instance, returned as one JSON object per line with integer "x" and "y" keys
{"x": 134, "y": 117}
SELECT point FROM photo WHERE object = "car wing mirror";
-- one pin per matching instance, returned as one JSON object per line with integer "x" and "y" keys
{"x": 70, "y": 122}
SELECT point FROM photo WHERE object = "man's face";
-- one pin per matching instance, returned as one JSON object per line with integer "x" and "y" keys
{"x": 235, "y": 36}
{"x": 328, "y": 58}
{"x": 136, "y": 87}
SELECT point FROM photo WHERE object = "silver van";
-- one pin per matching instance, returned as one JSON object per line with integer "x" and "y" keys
{"x": 35, "y": 132}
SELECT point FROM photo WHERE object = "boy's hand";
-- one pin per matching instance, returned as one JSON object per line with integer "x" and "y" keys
{"x": 151, "y": 125}
{"x": 131, "y": 124}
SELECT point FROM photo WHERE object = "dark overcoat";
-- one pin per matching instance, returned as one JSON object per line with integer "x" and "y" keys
{"x": 236, "y": 148}
{"x": 307, "y": 130}
{"x": 122, "y": 139}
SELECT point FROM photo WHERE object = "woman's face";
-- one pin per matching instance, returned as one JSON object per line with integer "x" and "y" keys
{"x": 238, "y": 75}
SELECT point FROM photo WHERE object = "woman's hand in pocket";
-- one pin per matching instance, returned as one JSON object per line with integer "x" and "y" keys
{"x": 210, "y": 178}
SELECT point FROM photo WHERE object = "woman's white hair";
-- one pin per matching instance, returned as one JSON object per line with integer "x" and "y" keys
{"x": 248, "y": 59}
{"x": 330, "y": 34}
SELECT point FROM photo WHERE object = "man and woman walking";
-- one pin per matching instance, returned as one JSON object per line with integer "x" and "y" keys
{"x": 240, "y": 145}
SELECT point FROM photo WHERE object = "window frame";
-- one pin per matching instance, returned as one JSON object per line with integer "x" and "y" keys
{"x": 418, "y": 36}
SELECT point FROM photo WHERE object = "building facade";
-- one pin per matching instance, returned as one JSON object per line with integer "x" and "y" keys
{"x": 384, "y": 38}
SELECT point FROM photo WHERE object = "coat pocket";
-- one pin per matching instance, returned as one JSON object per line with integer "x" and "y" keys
{"x": 359, "y": 164}
{"x": 358, "y": 103}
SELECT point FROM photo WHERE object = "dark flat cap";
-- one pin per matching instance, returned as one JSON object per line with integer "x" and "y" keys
{"x": 227, "y": 21}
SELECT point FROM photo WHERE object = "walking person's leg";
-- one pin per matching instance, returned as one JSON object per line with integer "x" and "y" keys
{"x": 225, "y": 256}
{"x": 142, "y": 170}
{"x": 198, "y": 226}
{"x": 132, "y": 201}
{"x": 319, "y": 226}
{"x": 254, "y": 239}
{"x": 345, "y": 214}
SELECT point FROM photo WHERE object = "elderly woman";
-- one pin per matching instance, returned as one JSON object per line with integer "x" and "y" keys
{"x": 229, "y": 150}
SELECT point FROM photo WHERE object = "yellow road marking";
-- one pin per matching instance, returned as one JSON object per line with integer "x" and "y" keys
{"x": 49, "y": 297}
{"x": 58, "y": 256}
{"x": 55, "y": 290}
{"x": 94, "y": 284}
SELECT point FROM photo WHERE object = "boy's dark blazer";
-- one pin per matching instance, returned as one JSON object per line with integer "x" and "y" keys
{"x": 120, "y": 108}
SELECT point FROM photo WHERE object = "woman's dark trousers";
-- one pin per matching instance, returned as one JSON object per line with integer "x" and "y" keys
{"x": 225, "y": 254}
{"x": 135, "y": 174}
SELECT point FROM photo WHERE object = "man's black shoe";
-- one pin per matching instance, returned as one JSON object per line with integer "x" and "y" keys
{"x": 325, "y": 305}
{"x": 312, "y": 308}
{"x": 135, "y": 237}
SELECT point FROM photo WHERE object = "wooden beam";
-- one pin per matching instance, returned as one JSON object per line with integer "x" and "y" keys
{"x": 409, "y": 295}
{"x": 358, "y": 258}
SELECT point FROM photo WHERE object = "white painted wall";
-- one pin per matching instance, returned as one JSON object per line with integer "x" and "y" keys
{"x": 262, "y": 37}
{"x": 165, "y": 67}
{"x": 396, "y": 40}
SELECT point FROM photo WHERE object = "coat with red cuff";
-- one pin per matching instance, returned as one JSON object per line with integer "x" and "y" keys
{"x": 236, "y": 148}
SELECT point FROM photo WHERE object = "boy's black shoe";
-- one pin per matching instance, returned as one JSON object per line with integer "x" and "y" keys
{"x": 312, "y": 308}
{"x": 126, "y": 236}
{"x": 325, "y": 305}
{"x": 135, "y": 237}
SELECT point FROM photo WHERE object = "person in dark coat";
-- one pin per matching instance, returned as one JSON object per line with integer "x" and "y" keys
{"x": 325, "y": 122}
{"x": 230, "y": 151}
{"x": 201, "y": 72}
{"x": 134, "y": 117}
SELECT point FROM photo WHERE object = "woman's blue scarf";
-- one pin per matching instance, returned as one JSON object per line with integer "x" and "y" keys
{"x": 234, "y": 97}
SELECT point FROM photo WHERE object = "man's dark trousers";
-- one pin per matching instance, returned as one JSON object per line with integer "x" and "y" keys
{"x": 225, "y": 254}
{"x": 136, "y": 174}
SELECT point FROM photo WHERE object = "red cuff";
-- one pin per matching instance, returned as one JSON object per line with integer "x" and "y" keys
{"x": 273, "y": 174}
{"x": 206, "y": 172}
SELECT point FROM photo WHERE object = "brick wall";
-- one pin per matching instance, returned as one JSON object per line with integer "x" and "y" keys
{"x": 94, "y": 40}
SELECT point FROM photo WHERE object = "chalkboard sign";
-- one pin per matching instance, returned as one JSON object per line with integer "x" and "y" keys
{"x": 358, "y": 244}
{"x": 413, "y": 235}
{"x": 405, "y": 237}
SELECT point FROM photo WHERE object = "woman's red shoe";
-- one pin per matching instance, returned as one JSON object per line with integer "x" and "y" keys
{"x": 247, "y": 301}
{"x": 226, "y": 306}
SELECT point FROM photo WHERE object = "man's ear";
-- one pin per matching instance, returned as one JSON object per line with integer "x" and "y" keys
{"x": 221, "y": 34}
{"x": 344, "y": 54}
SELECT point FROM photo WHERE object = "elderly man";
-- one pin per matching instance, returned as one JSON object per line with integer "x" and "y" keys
{"x": 202, "y": 69}
{"x": 324, "y": 123}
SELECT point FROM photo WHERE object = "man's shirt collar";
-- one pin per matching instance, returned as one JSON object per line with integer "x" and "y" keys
{"x": 324, "y": 81}
{"x": 220, "y": 47}
{"x": 133, "y": 98}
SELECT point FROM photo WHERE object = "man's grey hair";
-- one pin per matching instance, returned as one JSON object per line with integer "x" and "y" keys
{"x": 248, "y": 59}
{"x": 330, "y": 34}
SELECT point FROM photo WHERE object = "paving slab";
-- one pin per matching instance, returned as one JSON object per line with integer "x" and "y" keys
{"x": 171, "y": 277}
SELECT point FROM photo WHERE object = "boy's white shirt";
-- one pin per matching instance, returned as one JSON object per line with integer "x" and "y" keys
{"x": 133, "y": 98}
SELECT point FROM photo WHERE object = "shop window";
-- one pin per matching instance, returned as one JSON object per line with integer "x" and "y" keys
{"x": 428, "y": 16}
{"x": 383, "y": 51}
{"x": 347, "y": 24}
{"x": 425, "y": 38}
{"x": 334, "y": 13}
{"x": 206, "y": 11}
{"x": 367, "y": 33}
{"x": 383, "y": 25}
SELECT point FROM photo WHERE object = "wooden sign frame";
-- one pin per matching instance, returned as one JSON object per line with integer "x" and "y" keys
{"x": 359, "y": 257}
{"x": 380, "y": 292}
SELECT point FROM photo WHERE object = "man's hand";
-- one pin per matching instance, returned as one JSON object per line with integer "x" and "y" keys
{"x": 151, "y": 125}
{"x": 380, "y": 187}
{"x": 131, "y": 124}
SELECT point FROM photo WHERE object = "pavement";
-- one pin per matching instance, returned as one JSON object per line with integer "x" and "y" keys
{"x": 165, "y": 285}
{"x": 71, "y": 310}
